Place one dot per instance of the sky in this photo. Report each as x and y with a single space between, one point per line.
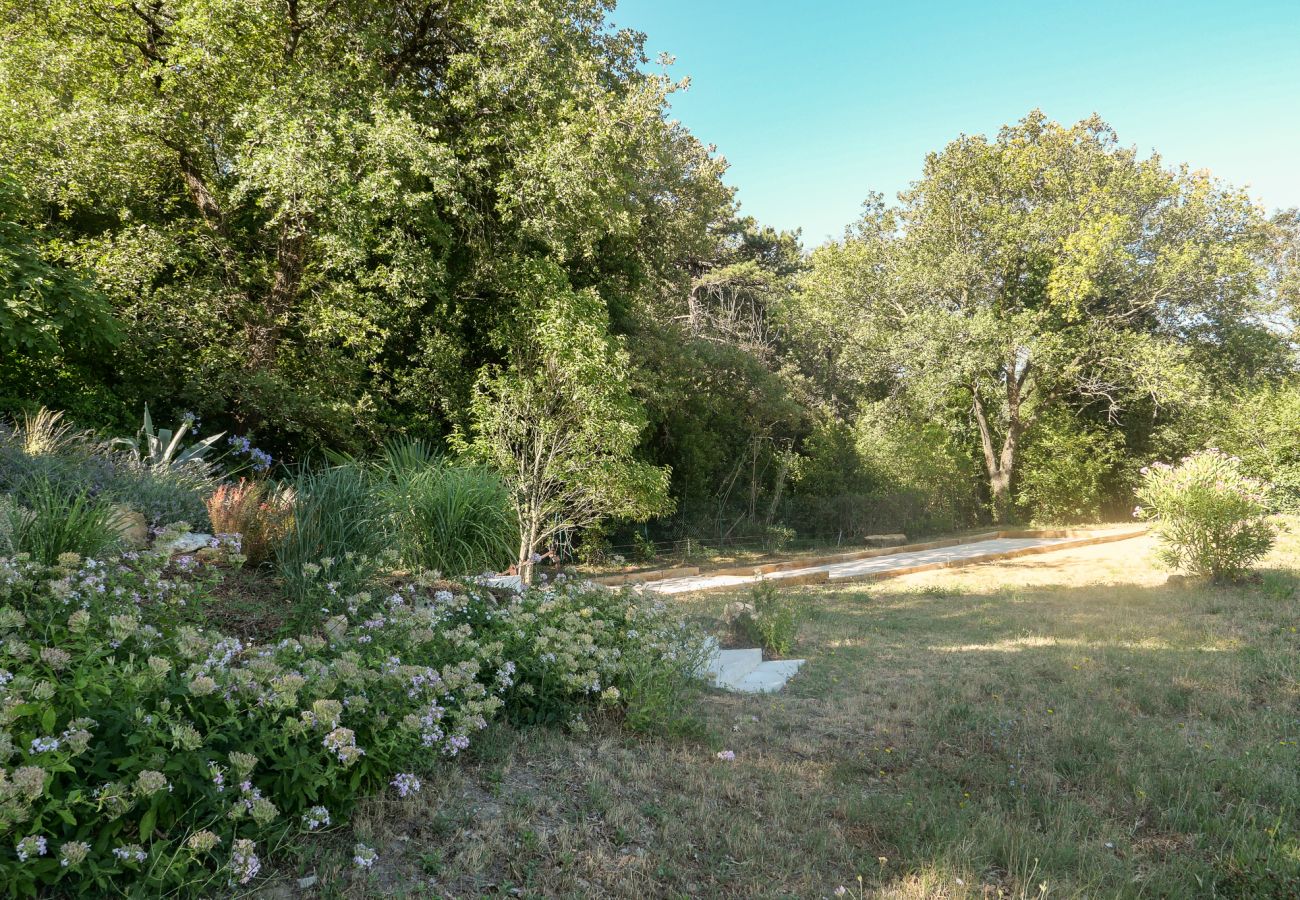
814 103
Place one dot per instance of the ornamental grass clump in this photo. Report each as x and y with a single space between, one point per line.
1212 520
260 512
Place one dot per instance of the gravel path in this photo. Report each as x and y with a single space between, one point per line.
876 565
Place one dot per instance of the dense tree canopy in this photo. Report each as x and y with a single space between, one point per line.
302 210
1047 266
327 222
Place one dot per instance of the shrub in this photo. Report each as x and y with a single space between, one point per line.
453 519
52 523
259 512
643 548
156 754
1066 471
1211 519
8 517
166 496
45 449
148 757
576 643
774 622
1261 428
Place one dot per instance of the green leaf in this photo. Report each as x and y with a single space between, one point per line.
147 822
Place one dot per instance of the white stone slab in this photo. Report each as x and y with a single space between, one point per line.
768 677
729 667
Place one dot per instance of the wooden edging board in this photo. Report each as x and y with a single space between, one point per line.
1085 538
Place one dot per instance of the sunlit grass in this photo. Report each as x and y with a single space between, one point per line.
1065 726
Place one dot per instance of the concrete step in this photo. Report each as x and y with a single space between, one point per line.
728 667
768 677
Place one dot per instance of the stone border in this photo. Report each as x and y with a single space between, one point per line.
1086 538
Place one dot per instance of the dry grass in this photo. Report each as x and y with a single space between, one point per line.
1064 725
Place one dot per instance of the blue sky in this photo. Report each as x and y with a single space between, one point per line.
815 103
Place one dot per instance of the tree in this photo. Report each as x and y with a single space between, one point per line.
559 423
1047 266
302 208
708 365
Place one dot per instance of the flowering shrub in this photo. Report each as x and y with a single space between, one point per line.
258 512
1211 518
572 644
141 753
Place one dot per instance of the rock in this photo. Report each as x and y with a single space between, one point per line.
308 882
885 540
183 543
508 582
132 527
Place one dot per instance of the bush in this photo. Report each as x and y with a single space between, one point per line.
45 449
52 523
1066 471
1211 519
576 643
1261 428
774 622
149 757
259 512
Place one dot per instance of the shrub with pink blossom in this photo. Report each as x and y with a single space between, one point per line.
1211 518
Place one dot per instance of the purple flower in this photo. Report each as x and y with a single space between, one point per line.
406 784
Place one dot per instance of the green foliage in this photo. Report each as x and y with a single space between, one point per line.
9 510
1211 519
891 470
775 621
1261 427
164 448
560 424
339 524
305 214
1068 470
45 449
47 309
1049 267
159 758
51 523
452 519
643 548
575 644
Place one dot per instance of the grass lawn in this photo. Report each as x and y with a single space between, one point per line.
1062 725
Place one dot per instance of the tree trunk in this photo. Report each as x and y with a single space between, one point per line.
1000 463
525 566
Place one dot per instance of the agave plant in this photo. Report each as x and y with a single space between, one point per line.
162 449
